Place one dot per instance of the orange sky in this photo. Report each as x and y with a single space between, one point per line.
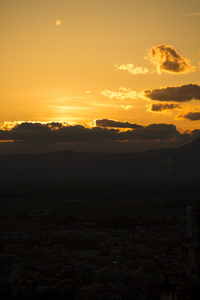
77 61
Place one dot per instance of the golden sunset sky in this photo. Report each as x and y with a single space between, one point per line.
135 61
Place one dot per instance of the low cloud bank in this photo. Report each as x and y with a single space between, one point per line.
106 136
57 132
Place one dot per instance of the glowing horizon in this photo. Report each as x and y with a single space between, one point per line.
130 61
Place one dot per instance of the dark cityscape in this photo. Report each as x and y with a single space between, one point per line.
98 239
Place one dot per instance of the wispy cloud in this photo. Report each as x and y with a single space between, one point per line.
126 107
122 94
132 69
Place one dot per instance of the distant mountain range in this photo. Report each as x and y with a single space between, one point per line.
181 165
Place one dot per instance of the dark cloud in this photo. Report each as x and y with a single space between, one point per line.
192 116
38 132
175 93
28 131
155 132
37 126
167 59
116 124
160 107
28 126
40 137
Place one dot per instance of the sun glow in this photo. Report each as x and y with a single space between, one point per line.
75 61
58 22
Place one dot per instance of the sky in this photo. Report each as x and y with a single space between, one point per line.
109 75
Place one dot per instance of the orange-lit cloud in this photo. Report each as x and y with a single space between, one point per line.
166 59
122 94
132 69
182 93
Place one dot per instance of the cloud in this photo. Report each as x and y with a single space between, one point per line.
29 126
176 93
30 137
132 69
160 107
192 116
154 132
58 22
113 123
55 132
59 132
168 60
122 94
126 107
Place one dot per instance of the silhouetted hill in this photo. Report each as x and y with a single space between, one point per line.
186 160
167 165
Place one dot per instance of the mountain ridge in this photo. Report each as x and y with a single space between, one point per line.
69 166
